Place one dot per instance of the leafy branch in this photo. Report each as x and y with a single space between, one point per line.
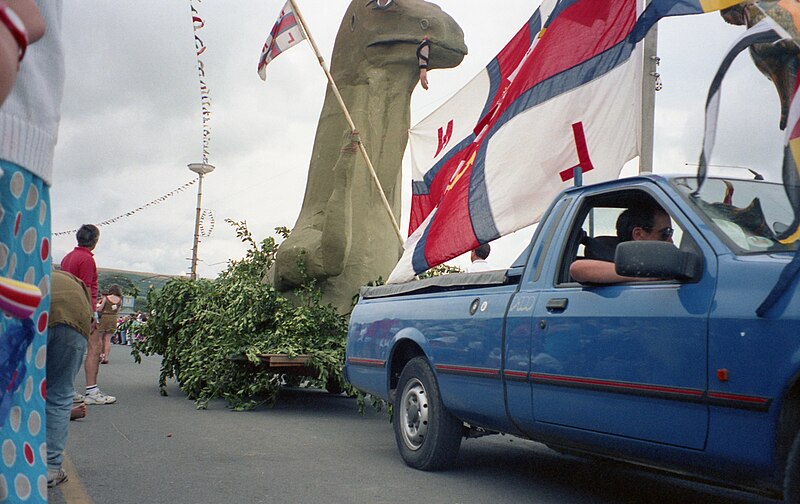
210 333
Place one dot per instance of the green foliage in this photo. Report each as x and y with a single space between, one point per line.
442 269
210 333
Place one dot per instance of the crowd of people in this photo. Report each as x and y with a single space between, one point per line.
127 331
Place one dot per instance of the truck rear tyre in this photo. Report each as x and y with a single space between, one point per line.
428 436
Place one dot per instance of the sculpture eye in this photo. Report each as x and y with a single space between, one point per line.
381 4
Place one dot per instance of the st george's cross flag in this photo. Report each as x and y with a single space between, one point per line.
285 34
565 92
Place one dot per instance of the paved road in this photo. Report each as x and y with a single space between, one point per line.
315 448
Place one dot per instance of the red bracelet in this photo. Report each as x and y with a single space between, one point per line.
15 25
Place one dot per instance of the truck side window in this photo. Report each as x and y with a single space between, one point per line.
547 236
594 233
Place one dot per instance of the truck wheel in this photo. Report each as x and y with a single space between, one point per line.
791 480
427 435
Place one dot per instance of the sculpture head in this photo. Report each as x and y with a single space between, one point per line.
381 33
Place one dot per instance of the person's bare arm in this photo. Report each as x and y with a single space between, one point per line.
598 272
30 16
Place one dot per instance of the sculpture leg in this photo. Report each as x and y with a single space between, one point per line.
319 249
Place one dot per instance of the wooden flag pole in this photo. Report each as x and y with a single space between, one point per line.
347 116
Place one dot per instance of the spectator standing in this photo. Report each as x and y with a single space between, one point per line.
108 308
29 119
123 328
478 257
69 328
80 262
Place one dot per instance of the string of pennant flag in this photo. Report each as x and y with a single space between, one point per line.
207 223
205 102
205 97
139 209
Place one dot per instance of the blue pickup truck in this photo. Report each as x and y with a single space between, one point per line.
677 373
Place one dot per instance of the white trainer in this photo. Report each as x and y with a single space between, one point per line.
99 398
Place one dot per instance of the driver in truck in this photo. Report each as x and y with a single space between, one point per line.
646 221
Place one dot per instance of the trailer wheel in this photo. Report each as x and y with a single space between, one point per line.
333 386
428 436
791 480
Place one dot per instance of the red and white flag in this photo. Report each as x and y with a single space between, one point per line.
563 93
285 34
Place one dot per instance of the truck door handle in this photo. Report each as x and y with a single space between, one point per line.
557 304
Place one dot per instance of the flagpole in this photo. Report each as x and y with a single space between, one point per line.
649 78
347 116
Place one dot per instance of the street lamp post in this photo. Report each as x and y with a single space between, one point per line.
200 169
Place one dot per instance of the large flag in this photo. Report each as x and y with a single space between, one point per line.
562 94
437 140
285 34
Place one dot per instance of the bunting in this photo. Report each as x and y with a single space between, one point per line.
136 210
205 98
207 223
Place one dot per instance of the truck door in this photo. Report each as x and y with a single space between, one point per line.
627 359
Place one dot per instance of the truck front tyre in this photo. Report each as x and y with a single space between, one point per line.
428 436
791 480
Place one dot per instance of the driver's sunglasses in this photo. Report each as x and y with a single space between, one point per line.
666 233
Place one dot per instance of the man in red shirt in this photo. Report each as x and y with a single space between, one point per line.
80 262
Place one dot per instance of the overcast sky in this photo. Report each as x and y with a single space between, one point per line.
131 118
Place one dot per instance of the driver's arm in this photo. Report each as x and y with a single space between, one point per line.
598 272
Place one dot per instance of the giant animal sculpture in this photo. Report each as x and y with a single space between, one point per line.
779 62
344 237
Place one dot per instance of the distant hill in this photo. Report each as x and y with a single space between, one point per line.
141 280
132 282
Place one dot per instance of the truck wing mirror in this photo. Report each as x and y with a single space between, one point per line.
655 259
